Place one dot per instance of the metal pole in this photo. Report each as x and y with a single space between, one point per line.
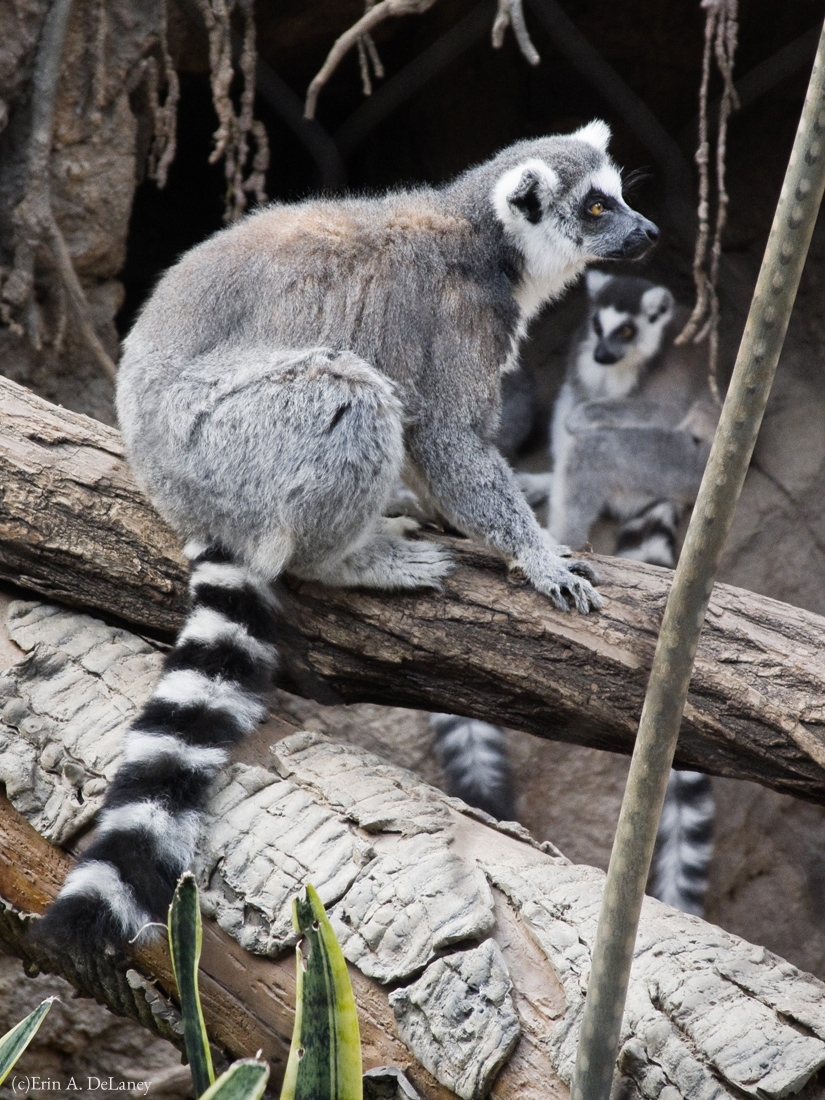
684 614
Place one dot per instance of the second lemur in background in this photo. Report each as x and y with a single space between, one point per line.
631 432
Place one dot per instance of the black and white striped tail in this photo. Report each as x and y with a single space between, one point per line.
208 697
476 764
684 843
650 535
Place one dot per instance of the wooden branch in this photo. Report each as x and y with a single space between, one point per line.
73 526
469 944
248 1001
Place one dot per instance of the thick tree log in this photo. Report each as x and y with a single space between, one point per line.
74 526
469 945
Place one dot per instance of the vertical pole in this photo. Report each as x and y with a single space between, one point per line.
693 580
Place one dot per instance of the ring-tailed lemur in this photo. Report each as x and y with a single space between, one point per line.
632 423
630 437
275 385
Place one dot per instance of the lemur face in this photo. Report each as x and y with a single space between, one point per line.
563 206
627 318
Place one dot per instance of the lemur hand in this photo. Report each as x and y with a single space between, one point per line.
561 581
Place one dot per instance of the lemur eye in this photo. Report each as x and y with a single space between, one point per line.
596 208
627 332
597 327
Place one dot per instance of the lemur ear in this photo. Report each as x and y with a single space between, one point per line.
595 280
595 133
656 302
526 196
526 191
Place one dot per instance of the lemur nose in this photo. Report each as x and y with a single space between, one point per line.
651 231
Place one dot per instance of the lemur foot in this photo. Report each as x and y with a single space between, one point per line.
561 581
392 560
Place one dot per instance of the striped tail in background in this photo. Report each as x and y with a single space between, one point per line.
684 844
209 696
474 757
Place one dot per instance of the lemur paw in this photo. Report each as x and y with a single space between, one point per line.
583 569
420 564
562 582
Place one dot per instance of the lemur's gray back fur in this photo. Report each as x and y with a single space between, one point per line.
281 377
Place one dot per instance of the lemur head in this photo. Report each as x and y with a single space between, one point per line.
559 201
627 318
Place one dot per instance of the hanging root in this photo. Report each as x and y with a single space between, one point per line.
511 13
368 57
235 128
164 115
35 226
721 32
359 35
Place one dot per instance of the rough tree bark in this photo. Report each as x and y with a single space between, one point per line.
469 944
74 526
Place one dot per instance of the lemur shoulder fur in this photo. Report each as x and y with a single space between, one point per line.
277 383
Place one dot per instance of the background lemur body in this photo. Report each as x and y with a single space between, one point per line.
281 377
630 437
615 450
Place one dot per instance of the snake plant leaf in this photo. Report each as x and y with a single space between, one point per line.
325 1057
244 1080
14 1042
185 935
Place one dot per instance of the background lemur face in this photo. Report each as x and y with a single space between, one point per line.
564 202
627 318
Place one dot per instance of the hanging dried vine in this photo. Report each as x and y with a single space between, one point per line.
509 13
164 115
235 127
721 34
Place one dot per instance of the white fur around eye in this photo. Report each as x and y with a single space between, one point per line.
611 318
608 181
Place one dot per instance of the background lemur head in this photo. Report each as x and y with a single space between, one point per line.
559 202
627 319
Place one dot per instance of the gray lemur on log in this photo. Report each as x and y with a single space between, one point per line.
631 433
278 382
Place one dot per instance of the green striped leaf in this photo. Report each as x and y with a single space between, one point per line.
325 1057
185 935
244 1080
14 1042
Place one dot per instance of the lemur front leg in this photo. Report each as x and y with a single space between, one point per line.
476 491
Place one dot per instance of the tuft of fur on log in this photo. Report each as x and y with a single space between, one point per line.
74 526
483 936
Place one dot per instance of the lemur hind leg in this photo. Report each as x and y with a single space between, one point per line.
289 465
389 559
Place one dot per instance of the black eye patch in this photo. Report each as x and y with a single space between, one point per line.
597 327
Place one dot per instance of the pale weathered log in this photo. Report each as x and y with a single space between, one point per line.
74 526
469 944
